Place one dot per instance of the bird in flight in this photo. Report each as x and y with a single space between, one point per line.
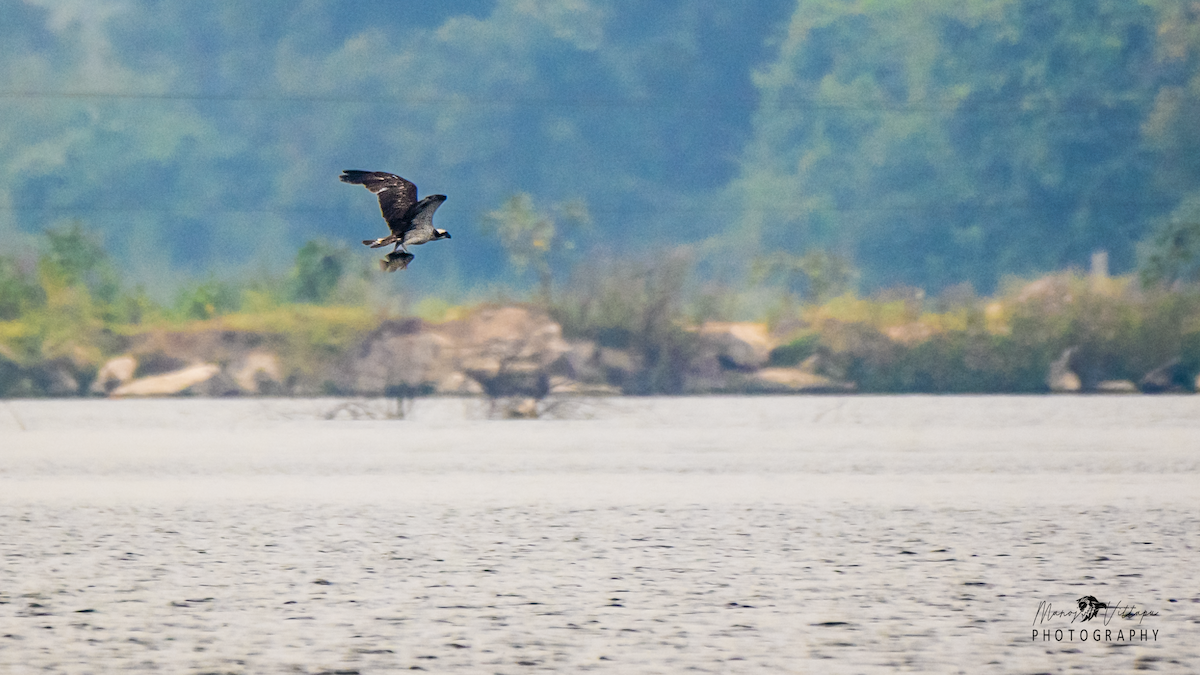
410 221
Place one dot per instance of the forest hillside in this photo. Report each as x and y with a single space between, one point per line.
927 144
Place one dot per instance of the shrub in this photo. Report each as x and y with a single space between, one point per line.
318 271
634 304
795 351
19 291
207 299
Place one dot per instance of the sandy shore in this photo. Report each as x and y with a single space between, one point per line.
649 536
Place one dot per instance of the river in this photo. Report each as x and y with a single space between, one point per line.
660 535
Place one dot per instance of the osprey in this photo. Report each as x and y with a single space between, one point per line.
410 221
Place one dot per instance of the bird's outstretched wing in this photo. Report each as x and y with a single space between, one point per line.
421 215
396 195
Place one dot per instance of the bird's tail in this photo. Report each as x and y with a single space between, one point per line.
384 241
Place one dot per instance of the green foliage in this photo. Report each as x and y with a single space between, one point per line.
933 142
134 307
308 337
75 265
1172 256
795 351
536 239
19 293
638 305
945 142
1172 129
60 317
1114 335
77 258
1189 350
817 275
207 299
63 308
318 271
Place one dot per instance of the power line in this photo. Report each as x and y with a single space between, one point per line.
786 208
926 107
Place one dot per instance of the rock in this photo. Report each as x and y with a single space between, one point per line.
708 383
1171 376
399 355
515 408
221 384
909 333
10 376
566 385
766 381
168 384
258 372
486 367
176 350
797 380
114 373
1117 387
507 334
159 362
501 348
582 361
1061 378
620 367
524 408
522 379
619 360
737 346
813 364
457 384
54 378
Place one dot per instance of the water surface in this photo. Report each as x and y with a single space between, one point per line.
793 535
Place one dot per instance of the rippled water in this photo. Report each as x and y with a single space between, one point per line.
726 535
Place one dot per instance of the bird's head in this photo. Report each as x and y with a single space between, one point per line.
441 234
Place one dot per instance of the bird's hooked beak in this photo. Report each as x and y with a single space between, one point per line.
442 234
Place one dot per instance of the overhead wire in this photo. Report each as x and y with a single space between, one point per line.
961 106
650 208
928 107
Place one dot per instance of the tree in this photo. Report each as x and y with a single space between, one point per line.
19 291
76 258
954 141
817 275
1172 129
536 239
318 270
208 299
1171 257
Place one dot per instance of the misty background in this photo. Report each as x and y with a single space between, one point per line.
929 143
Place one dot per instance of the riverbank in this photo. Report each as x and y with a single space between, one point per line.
1062 333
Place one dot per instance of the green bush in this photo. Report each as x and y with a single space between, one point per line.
318 271
638 305
795 351
19 290
207 299
1115 332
